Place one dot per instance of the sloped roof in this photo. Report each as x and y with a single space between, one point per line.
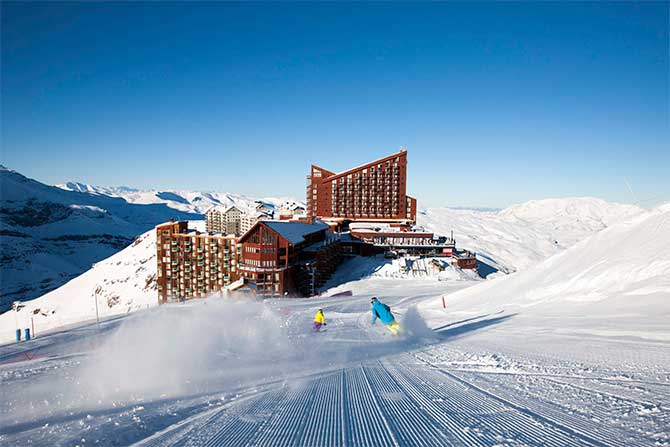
294 232
402 153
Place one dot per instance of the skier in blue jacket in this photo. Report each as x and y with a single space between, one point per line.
383 312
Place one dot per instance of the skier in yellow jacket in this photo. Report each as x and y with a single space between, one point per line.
319 320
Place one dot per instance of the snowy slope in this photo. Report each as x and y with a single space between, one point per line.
522 235
188 201
237 372
498 233
124 282
615 282
50 235
570 352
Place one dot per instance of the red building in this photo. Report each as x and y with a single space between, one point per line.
191 264
282 257
375 191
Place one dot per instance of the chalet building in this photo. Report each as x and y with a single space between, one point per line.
231 220
375 191
281 257
193 264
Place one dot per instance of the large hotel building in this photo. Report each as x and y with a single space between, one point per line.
296 257
374 192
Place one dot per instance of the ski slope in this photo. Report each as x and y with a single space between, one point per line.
214 373
572 351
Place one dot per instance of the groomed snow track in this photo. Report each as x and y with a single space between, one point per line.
471 383
405 401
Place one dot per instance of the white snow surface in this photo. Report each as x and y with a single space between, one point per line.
522 235
573 351
617 281
122 283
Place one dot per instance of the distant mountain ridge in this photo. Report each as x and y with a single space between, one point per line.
197 202
521 235
53 234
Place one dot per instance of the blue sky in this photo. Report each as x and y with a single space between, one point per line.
497 103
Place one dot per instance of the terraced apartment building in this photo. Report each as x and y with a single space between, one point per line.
192 264
373 192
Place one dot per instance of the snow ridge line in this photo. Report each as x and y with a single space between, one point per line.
520 408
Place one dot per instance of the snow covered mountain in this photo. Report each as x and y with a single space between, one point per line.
523 235
606 284
196 202
509 239
50 235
